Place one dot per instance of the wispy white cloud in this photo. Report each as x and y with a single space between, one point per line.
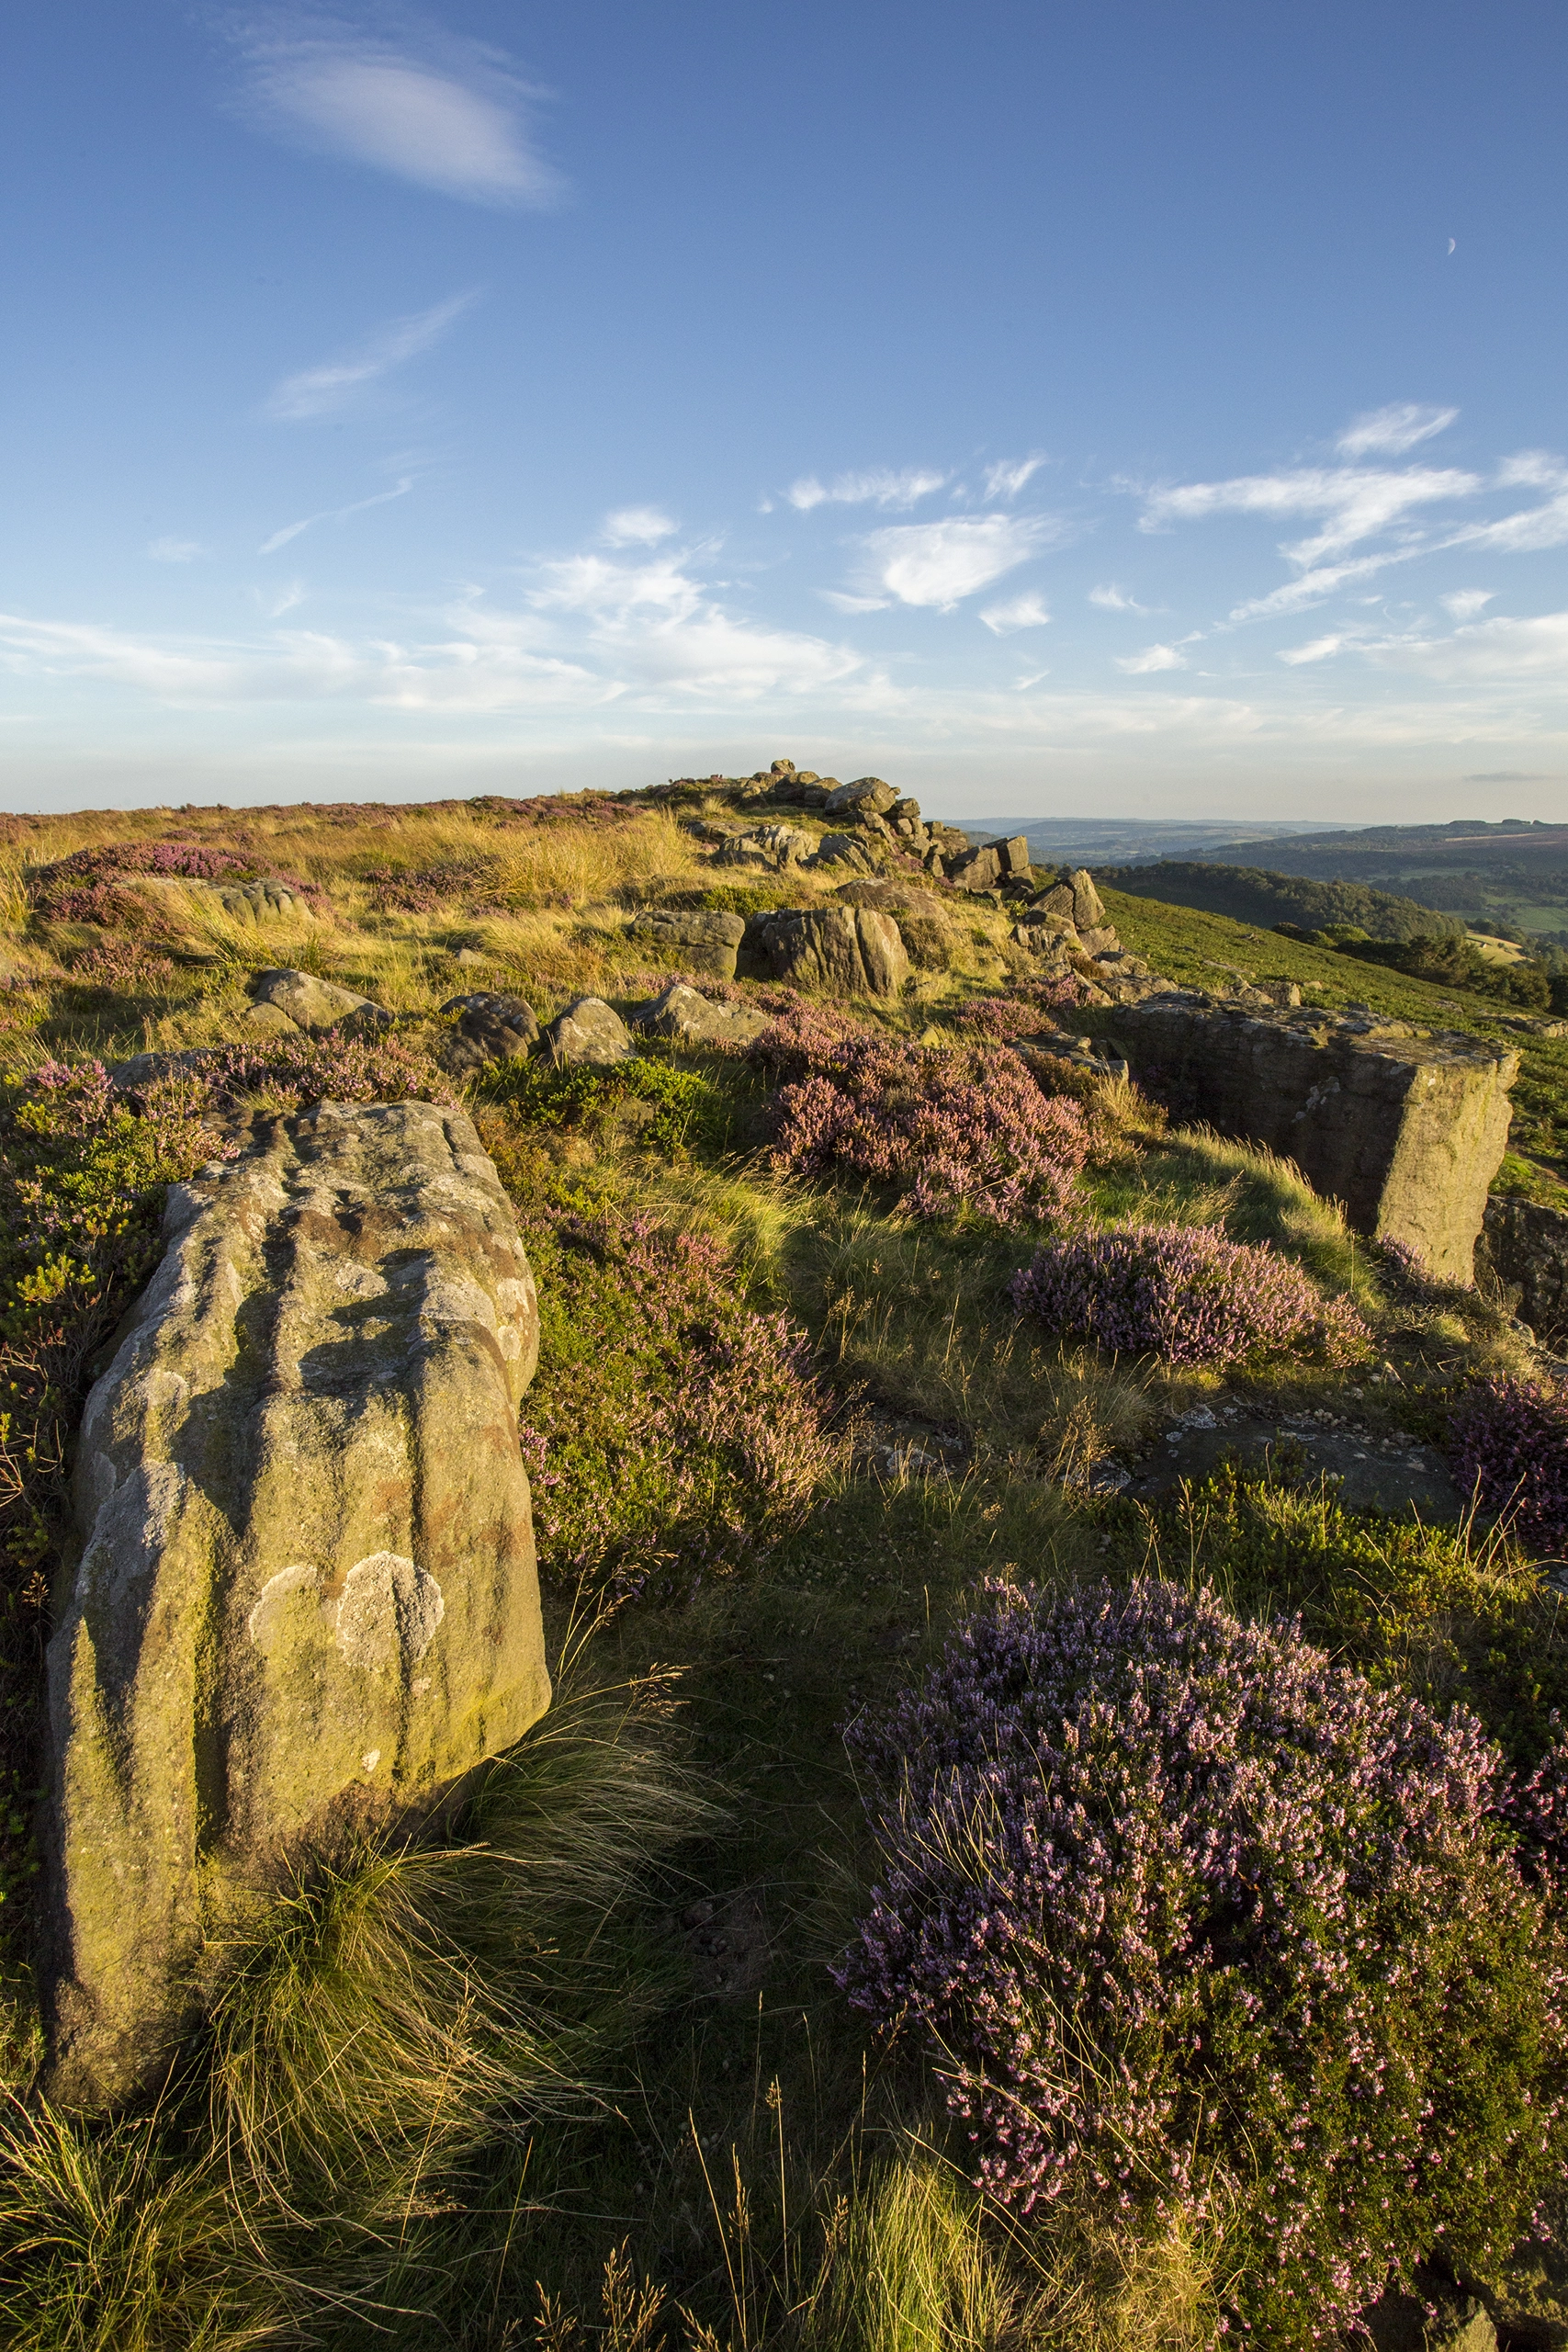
281 600
1465 603
1389 432
637 526
879 486
1357 503
1528 532
1024 612
1320 650
452 120
1112 599
172 550
1006 479
1152 657
334 514
316 391
940 563
1503 648
843 601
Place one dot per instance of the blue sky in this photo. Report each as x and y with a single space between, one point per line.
1115 411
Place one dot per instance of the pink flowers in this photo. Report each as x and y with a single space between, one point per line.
1186 1293
952 1126
1179 1907
1509 1446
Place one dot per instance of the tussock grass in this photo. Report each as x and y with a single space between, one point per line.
564 863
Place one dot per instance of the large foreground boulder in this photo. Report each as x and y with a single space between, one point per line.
1526 1245
316 1005
840 951
1404 1128
928 936
689 1018
302 1593
489 1029
590 1031
706 937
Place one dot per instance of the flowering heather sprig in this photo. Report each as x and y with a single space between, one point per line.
1508 1444
952 1126
1186 1293
671 1426
421 889
1536 1810
124 967
1187 1915
1026 1012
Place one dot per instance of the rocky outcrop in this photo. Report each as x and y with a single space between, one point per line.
256 904
776 845
301 1595
839 951
489 1029
1525 1246
691 1018
867 796
589 1031
987 868
314 1005
706 937
1404 1128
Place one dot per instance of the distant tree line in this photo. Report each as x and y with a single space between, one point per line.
1249 894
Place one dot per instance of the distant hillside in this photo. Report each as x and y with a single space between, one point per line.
1511 876
1130 841
1249 894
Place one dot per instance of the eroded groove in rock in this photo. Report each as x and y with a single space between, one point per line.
303 1594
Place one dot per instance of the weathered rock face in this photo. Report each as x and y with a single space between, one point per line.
254 904
589 1031
924 929
1527 1248
691 1019
303 1589
706 938
992 863
1406 1131
842 951
489 1029
774 845
315 1005
867 796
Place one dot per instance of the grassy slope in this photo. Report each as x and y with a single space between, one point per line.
1201 950
756 2083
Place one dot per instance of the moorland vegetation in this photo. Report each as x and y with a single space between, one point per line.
970 1890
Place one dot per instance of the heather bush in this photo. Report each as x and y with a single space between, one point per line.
1190 1919
1508 1442
672 1429
122 968
82 888
951 1126
1440 1611
1185 1293
1024 1013
673 1100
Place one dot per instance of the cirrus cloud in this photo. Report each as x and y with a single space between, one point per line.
1389 432
453 124
879 486
940 563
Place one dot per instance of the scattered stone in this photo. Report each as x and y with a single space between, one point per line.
1098 938
1406 1132
1089 915
706 937
300 1597
774 845
693 1019
489 1029
842 951
1375 1470
589 1031
315 1005
139 1070
468 957
1525 1247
